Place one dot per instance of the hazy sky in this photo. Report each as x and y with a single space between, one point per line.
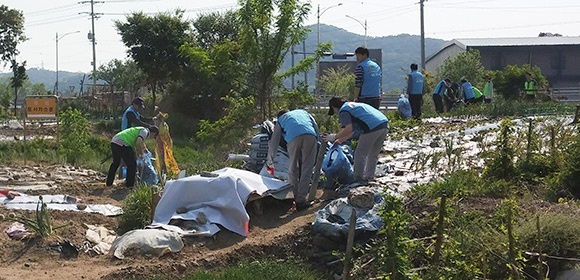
444 19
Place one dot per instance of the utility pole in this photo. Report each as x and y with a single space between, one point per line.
92 38
422 35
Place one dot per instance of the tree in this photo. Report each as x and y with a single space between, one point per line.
18 79
465 64
11 33
267 31
509 81
121 75
214 28
154 43
338 82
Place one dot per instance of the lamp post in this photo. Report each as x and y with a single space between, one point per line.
318 14
58 38
363 25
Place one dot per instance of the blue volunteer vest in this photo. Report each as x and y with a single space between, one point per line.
417 80
125 120
296 123
371 86
440 89
467 91
365 115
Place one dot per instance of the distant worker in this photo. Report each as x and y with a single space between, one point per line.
367 83
529 87
128 145
132 116
404 107
439 93
415 84
300 131
374 126
467 89
487 89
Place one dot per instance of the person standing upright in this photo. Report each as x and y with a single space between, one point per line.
529 87
439 93
415 84
132 116
367 83
487 89
300 131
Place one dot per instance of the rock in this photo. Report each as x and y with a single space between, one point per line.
399 173
434 144
181 210
201 218
363 197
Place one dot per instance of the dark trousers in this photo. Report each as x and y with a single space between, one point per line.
373 101
416 101
438 100
128 155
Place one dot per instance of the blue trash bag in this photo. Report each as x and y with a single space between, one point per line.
337 166
404 106
147 172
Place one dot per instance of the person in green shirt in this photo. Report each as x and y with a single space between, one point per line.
127 145
487 89
529 87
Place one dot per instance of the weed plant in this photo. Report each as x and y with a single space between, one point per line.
41 224
136 210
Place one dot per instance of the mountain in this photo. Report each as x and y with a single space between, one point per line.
398 53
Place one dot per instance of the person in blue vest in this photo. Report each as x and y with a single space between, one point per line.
300 131
374 126
132 116
127 145
415 84
467 89
367 82
439 93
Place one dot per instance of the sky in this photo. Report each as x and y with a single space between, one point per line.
444 19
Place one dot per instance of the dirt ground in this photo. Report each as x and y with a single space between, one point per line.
276 232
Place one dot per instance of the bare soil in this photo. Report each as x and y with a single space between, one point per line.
277 232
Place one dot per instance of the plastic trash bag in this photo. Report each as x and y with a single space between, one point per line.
147 173
404 106
337 166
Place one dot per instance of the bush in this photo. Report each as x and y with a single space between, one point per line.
559 236
136 210
73 135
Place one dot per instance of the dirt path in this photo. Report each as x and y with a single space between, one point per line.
32 259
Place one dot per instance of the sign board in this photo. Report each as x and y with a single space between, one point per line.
41 107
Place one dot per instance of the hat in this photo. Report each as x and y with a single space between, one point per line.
139 101
335 102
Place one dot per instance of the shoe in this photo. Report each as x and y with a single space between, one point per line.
303 206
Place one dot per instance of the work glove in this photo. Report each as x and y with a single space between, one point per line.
270 169
329 137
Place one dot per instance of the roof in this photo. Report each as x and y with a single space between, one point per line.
524 41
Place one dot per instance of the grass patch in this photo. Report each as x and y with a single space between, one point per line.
262 269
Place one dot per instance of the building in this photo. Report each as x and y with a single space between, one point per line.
558 57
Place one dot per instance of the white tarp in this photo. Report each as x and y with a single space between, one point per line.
58 202
222 199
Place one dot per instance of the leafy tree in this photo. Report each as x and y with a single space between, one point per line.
18 79
466 64
74 135
509 81
11 32
214 28
267 31
121 75
154 43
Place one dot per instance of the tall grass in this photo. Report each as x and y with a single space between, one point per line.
262 269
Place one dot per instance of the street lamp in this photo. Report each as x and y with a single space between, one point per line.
363 25
318 14
58 38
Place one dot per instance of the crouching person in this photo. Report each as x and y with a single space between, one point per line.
300 131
